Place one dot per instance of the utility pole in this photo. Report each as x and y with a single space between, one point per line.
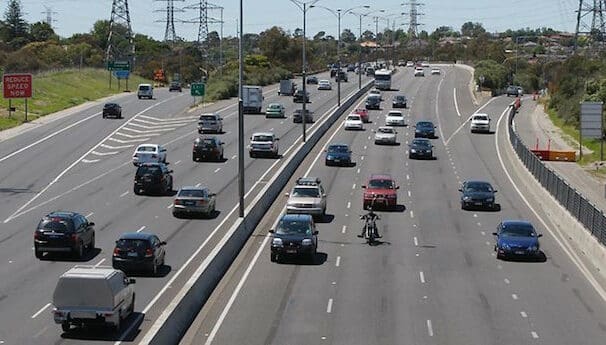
591 21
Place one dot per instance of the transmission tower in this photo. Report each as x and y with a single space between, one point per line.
591 22
169 34
48 12
120 45
203 20
414 14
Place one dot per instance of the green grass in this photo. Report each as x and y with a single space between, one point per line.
61 90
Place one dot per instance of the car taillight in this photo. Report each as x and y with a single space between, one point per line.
73 237
116 251
178 202
201 202
154 156
392 196
36 235
148 253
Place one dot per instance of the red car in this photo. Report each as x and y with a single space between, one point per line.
380 192
363 114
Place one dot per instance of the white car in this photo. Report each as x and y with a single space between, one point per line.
375 92
395 118
410 64
385 135
435 71
353 121
263 144
424 64
419 72
480 123
149 153
324 85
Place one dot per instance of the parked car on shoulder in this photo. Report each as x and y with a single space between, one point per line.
64 232
139 252
295 235
112 110
194 200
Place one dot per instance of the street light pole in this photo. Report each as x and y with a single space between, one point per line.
240 119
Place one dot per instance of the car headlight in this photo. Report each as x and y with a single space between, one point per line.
306 242
466 198
505 246
533 248
276 242
413 151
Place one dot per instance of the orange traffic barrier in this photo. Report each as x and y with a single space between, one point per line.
567 156
542 154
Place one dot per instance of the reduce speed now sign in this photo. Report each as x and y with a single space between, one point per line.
17 85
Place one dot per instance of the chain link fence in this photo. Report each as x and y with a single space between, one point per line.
580 207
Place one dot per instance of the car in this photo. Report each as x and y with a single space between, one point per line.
153 177
380 191
477 195
373 102
480 123
299 98
375 92
175 86
311 80
410 64
112 110
210 123
338 154
64 232
207 148
139 251
194 200
425 129
424 64
370 72
420 148
385 135
263 144
275 110
351 67
515 239
435 71
294 235
513 90
297 118
324 85
401 63
145 91
353 121
307 197
149 153
399 101
419 72
363 114
341 76
395 118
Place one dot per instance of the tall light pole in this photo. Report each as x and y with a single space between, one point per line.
240 118
361 15
338 13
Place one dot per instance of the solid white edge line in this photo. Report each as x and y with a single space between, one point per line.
416 241
40 311
456 104
141 228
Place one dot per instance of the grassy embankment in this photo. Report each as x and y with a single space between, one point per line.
61 90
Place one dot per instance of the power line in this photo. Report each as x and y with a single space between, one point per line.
120 45
413 24
170 34
591 22
48 12
203 20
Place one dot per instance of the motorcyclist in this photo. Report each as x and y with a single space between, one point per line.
370 217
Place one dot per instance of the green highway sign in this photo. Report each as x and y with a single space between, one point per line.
118 65
197 89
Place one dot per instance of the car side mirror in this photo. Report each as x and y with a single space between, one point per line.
131 281
363 186
494 233
271 231
170 171
460 190
91 223
277 139
540 235
494 191
397 187
324 195
316 232
212 194
163 243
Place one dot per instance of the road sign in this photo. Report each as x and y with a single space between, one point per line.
118 65
17 85
591 119
197 89
120 74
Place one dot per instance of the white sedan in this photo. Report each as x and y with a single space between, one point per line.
480 123
435 71
395 118
324 85
353 121
385 135
149 153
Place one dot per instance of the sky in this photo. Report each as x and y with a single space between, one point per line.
78 16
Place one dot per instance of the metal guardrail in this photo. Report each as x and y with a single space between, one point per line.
592 218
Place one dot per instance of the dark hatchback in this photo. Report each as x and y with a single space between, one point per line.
399 101
477 195
207 148
425 129
297 118
175 86
112 110
338 154
420 149
64 232
299 98
153 177
373 102
295 235
311 80
516 238
139 251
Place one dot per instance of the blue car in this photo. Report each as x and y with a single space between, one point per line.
338 154
425 129
517 239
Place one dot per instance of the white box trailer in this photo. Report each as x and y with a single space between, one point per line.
93 295
252 99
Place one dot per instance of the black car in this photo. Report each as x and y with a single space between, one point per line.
207 148
139 251
297 118
153 177
311 80
373 102
399 101
299 97
477 195
425 129
420 149
64 232
341 76
112 110
295 234
338 154
333 72
175 86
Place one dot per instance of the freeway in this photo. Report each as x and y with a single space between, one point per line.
434 278
83 163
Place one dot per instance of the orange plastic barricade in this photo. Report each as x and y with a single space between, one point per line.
542 154
566 156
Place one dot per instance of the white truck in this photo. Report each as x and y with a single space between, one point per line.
252 99
93 295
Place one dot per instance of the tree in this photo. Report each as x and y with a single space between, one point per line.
347 36
368 36
42 32
15 25
472 29
319 36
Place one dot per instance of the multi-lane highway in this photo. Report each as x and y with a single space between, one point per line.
434 278
83 163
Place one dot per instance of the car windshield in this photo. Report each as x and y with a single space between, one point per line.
291 227
421 143
400 98
274 106
144 87
385 130
478 187
338 148
130 244
206 143
424 125
192 193
381 184
148 170
207 118
262 138
305 192
353 118
518 230
146 149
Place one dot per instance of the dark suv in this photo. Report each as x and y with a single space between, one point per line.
153 177
175 86
139 251
341 76
207 148
299 98
295 234
112 110
67 232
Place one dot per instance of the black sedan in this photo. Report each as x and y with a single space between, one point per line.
399 101
207 148
420 149
311 80
139 251
425 129
477 194
300 97
295 234
373 102
112 110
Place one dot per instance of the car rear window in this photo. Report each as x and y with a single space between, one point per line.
380 184
144 87
146 149
196 193
206 143
129 244
207 118
480 117
56 225
337 148
305 192
148 170
395 114
262 138
354 117
385 130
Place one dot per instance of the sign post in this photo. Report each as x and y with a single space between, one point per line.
591 125
197 89
17 85
118 67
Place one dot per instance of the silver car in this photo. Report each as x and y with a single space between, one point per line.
210 123
307 197
385 135
263 143
194 200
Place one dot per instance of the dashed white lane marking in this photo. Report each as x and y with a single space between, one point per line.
514 296
100 262
329 306
475 215
338 262
422 277
483 233
349 204
409 194
178 162
141 228
198 184
534 335
358 171
361 157
90 214
506 281
344 229
407 177
90 160
169 206
123 194
217 170
412 215
523 313
354 186
487 243
429 328
365 147
416 241
233 157
369 137
40 311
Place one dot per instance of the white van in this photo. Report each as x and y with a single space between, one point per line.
145 90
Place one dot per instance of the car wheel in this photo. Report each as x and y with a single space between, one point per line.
104 116
136 191
154 268
274 257
38 253
91 245
176 214
131 308
80 250
65 326
193 158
